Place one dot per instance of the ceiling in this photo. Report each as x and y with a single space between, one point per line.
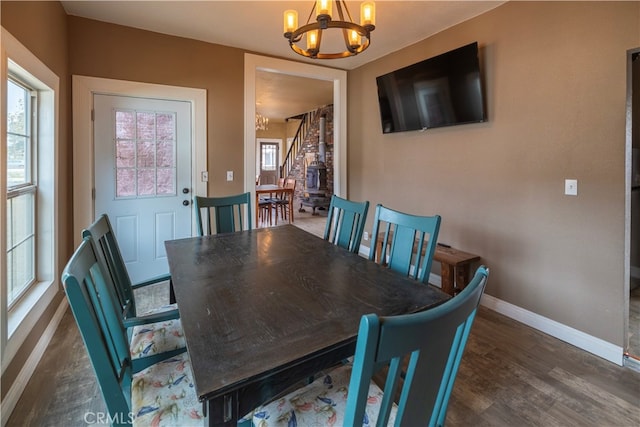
256 26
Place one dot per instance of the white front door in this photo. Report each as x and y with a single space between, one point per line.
142 158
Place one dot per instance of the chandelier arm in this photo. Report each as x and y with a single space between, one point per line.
314 52
346 10
311 13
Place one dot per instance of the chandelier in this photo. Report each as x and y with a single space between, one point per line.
262 123
356 37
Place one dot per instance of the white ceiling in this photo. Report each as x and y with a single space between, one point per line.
256 26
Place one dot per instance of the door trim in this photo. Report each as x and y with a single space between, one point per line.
627 196
252 63
82 100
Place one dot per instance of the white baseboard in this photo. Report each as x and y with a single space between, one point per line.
13 395
591 344
588 343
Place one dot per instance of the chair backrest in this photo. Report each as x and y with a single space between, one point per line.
404 241
95 310
105 241
227 213
288 183
345 223
433 339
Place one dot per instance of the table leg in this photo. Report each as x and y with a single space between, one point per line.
447 273
223 411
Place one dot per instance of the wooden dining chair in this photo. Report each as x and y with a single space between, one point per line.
345 223
160 394
225 213
264 212
417 355
405 243
281 201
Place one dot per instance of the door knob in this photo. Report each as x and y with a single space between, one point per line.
185 190
185 202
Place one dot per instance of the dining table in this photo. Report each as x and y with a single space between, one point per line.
277 191
264 309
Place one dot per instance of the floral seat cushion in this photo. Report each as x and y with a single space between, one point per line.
164 395
321 403
153 338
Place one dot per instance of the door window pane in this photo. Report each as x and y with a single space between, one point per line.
269 157
145 153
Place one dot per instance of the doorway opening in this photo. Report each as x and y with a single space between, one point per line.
255 63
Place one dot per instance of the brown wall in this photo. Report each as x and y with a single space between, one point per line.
42 28
555 83
112 51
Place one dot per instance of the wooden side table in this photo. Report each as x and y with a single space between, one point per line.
455 265
455 271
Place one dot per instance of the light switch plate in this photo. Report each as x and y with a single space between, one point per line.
229 175
571 187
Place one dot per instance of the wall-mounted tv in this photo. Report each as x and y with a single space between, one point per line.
441 91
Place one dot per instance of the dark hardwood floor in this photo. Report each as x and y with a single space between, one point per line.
511 375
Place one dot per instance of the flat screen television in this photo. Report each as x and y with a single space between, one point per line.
441 91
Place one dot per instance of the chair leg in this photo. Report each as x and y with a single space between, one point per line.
274 207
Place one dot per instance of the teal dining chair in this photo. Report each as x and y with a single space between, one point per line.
418 356
226 213
104 238
161 393
404 242
151 335
345 223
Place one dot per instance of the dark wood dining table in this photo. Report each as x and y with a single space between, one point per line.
264 309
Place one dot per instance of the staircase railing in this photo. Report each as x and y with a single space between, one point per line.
306 120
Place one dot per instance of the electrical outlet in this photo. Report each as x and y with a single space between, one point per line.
229 175
571 187
365 235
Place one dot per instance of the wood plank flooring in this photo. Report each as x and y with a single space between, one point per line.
511 375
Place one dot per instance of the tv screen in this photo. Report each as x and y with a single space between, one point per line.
441 91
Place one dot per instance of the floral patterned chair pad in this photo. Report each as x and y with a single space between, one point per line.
164 395
321 403
154 338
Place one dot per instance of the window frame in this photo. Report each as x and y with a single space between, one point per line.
17 321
